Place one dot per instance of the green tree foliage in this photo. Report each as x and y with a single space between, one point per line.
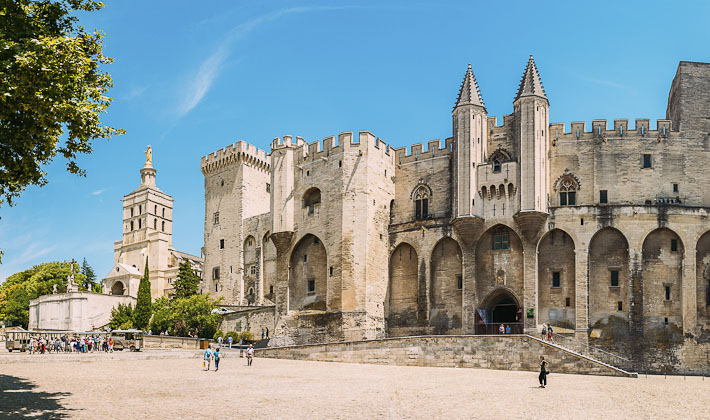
121 317
194 316
185 316
187 281
89 282
51 86
162 317
143 311
18 289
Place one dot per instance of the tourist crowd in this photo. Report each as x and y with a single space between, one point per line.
73 344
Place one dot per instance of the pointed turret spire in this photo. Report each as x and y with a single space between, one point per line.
530 84
469 93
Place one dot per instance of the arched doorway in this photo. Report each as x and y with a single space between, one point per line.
501 306
118 289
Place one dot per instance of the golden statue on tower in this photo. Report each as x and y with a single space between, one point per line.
149 156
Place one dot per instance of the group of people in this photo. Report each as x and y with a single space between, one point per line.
547 332
74 344
504 329
215 355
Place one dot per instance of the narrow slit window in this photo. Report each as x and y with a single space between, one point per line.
668 293
459 282
555 279
619 306
674 245
647 160
614 274
568 302
603 197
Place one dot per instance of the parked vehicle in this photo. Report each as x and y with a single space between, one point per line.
127 339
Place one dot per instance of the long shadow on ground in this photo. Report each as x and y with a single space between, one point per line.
19 400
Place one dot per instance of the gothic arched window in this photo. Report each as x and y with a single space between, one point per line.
421 203
568 191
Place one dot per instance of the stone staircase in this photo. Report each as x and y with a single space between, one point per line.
506 352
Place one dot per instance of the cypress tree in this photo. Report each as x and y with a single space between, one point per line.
89 275
143 310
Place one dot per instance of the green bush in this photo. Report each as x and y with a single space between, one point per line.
233 334
217 335
246 336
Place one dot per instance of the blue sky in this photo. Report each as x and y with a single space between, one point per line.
191 77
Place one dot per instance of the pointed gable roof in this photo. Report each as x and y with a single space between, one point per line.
469 94
530 84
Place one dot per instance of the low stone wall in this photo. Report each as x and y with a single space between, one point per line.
506 352
249 318
167 342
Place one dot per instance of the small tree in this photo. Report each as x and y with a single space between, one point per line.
121 317
187 281
142 313
89 281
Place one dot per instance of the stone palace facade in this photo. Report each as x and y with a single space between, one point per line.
602 233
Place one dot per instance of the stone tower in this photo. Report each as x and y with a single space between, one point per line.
147 233
237 187
531 113
470 143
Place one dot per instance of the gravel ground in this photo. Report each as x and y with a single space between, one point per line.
147 386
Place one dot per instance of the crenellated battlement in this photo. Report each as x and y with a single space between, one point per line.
601 130
309 152
239 152
417 152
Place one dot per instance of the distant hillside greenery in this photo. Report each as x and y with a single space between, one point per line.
20 288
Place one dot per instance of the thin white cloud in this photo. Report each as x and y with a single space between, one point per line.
98 192
135 92
209 69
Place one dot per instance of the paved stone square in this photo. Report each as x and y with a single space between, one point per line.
150 386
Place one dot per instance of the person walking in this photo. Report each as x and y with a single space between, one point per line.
549 333
229 340
267 333
544 332
250 354
543 372
262 333
216 356
208 357
219 341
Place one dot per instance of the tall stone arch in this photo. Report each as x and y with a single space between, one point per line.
609 279
403 290
499 261
661 283
251 267
556 279
446 286
702 263
308 275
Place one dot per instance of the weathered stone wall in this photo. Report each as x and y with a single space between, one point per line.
250 319
513 352
556 303
167 342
